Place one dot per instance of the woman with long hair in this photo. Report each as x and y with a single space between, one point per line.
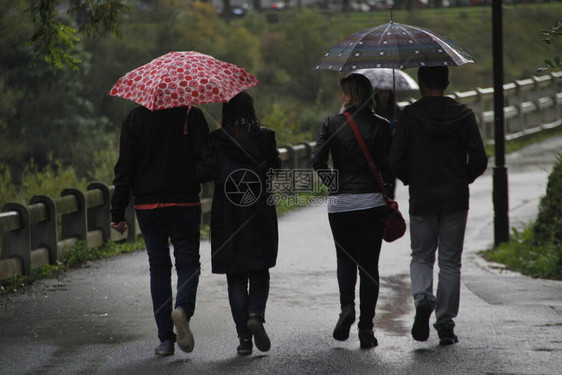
357 207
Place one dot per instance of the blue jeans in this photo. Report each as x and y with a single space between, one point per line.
181 226
358 239
428 233
244 301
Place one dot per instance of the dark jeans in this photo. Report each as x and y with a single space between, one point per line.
181 226
358 238
244 301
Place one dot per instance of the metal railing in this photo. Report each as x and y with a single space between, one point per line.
39 233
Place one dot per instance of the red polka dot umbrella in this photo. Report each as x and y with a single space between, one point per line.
179 79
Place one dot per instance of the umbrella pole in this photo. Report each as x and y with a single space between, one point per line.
394 97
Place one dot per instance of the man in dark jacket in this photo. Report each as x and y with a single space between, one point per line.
437 150
157 155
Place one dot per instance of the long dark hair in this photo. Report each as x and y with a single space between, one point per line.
239 111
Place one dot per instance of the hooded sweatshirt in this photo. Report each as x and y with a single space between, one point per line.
437 151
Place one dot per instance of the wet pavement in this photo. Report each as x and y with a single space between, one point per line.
98 319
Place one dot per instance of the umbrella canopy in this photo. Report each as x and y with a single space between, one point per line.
391 79
179 79
393 45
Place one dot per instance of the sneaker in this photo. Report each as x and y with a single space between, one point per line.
420 329
166 347
255 325
245 347
347 317
184 337
447 336
367 339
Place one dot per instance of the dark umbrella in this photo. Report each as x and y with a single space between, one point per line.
393 45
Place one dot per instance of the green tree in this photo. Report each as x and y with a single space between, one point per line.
55 36
549 37
42 113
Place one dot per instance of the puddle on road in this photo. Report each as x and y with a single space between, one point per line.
395 305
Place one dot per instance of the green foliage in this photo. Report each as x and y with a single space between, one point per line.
42 113
537 251
548 227
205 231
54 38
523 255
549 37
6 185
81 253
13 285
98 18
282 123
104 162
49 180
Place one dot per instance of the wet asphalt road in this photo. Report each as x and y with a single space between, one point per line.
98 319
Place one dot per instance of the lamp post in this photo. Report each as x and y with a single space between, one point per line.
500 190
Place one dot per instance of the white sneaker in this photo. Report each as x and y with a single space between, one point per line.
184 337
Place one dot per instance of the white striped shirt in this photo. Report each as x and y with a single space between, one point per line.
354 202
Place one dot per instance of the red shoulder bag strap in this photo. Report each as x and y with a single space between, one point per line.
367 155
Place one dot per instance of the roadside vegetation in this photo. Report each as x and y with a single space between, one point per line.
537 250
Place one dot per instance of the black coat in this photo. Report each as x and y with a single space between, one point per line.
157 159
336 138
438 151
244 234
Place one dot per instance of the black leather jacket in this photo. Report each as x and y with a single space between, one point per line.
336 139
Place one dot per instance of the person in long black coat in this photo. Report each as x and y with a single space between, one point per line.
244 233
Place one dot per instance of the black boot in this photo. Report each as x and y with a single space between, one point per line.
347 317
255 325
245 347
367 339
420 329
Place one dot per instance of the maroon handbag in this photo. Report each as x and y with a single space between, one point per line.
394 223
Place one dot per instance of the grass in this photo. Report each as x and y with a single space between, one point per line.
522 254
537 250
518 144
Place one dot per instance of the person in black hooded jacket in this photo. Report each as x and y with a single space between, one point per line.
437 151
244 233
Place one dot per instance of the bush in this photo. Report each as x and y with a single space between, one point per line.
537 251
548 227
